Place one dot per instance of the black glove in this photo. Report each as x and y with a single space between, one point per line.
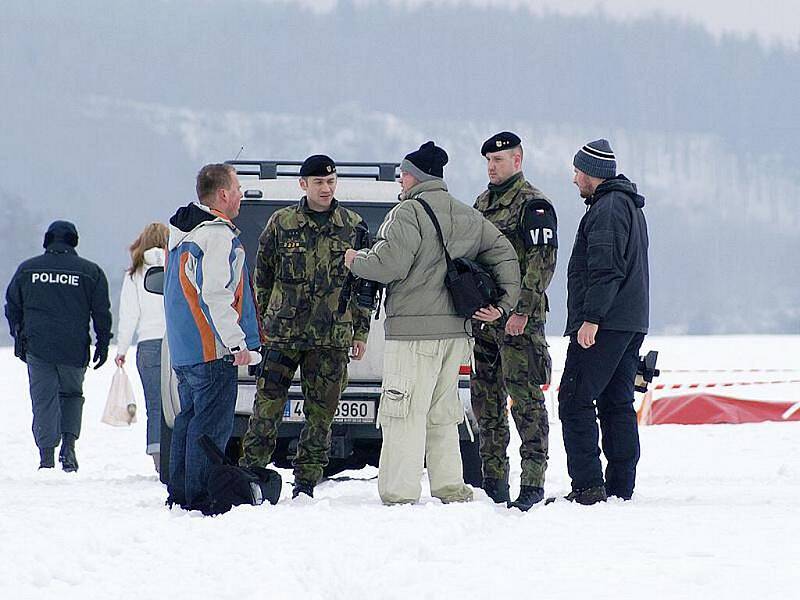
100 356
20 347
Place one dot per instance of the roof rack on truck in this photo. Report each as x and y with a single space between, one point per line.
272 169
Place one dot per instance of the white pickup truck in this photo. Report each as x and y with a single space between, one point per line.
371 190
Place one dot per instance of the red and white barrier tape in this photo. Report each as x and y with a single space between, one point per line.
730 370
694 386
719 370
715 384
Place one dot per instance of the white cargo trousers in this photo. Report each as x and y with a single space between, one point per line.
419 414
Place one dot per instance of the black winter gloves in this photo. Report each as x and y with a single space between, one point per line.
20 351
100 356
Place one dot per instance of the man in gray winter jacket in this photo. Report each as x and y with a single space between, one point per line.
426 341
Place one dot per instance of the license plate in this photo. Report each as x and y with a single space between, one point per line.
348 411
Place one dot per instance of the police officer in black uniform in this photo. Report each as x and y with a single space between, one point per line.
48 306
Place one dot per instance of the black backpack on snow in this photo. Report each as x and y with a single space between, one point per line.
230 485
470 285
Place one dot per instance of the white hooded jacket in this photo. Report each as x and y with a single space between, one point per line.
139 309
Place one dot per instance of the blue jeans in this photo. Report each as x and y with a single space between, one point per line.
208 401
148 363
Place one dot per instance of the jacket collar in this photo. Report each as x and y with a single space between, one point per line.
190 217
504 193
434 185
220 217
60 248
502 188
496 198
620 183
303 211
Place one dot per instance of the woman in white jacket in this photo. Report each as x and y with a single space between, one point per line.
143 311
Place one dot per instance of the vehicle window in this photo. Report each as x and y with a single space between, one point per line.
254 214
372 213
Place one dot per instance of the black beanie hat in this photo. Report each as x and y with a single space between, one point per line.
61 231
429 159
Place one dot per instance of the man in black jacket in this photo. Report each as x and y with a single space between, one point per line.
48 306
607 319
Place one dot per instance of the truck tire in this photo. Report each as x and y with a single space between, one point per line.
284 453
365 452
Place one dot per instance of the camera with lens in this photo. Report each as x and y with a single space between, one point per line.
368 293
646 371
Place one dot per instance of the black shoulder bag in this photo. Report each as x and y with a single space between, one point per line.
230 485
470 285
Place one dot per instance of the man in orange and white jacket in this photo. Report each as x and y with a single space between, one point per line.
211 325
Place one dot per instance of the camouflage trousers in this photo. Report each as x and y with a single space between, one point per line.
323 375
515 367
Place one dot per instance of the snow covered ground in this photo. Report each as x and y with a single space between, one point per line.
715 515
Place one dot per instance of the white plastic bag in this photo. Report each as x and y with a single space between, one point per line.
120 408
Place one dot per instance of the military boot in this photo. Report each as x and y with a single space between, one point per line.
302 487
47 458
496 489
528 496
67 458
588 496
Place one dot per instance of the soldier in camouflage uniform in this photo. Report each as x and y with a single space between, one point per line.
511 356
298 283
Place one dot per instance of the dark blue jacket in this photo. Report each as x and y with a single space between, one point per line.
52 297
608 278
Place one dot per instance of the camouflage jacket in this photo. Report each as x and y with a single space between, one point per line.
537 263
299 276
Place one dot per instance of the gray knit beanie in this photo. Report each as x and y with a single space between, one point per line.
596 159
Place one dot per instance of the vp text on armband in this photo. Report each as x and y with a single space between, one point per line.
545 233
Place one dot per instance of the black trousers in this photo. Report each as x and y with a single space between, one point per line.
57 398
598 384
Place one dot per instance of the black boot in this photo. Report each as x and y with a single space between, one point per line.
617 494
496 489
47 458
528 496
588 496
67 458
302 487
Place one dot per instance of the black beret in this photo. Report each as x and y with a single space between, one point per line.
317 165
505 140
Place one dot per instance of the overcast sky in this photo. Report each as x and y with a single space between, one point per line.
704 128
773 21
